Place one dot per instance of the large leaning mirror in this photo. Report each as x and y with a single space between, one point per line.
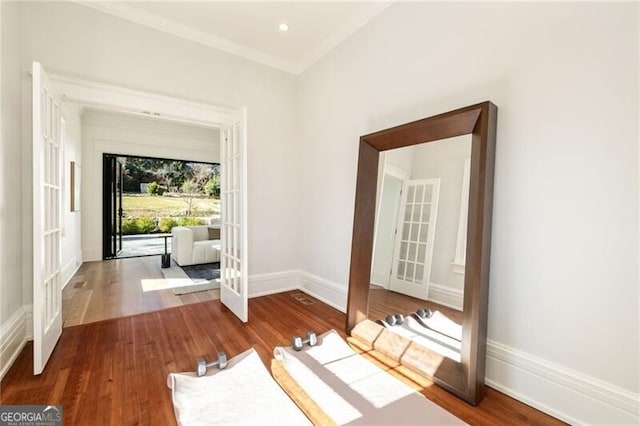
422 234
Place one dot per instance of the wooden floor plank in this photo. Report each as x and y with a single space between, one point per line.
113 288
384 302
114 371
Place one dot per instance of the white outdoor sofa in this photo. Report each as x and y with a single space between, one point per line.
191 245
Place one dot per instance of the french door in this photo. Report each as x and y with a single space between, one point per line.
416 234
112 213
47 214
233 200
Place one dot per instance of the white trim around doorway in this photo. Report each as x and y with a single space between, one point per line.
120 99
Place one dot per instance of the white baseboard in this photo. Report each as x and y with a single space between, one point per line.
13 336
28 311
324 290
277 282
570 396
446 296
70 269
332 294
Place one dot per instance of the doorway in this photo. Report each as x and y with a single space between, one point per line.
53 91
136 188
386 230
112 169
144 198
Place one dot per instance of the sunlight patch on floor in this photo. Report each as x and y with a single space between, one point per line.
158 284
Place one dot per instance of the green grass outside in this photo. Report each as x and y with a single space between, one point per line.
159 206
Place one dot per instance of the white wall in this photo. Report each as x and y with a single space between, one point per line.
564 278
10 162
13 318
108 133
402 158
71 39
71 255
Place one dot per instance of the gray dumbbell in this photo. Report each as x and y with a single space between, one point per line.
395 319
424 313
202 364
311 340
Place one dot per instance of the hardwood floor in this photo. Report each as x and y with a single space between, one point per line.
384 302
114 288
114 371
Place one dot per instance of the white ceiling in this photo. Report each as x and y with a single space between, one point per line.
250 29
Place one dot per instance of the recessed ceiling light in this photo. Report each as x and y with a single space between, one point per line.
283 27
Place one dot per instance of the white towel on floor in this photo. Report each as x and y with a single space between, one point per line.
329 349
425 336
243 393
351 389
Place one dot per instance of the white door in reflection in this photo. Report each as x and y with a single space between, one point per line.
386 226
416 233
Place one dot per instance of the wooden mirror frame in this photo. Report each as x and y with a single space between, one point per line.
464 379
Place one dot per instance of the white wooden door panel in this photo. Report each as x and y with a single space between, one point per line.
386 225
47 177
416 235
233 197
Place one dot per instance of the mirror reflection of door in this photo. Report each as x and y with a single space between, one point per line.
420 235
385 234
414 243
112 199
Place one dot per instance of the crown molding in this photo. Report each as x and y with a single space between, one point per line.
133 14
